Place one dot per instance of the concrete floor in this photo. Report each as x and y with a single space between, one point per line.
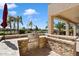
9 48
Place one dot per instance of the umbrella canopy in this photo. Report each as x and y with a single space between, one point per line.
5 13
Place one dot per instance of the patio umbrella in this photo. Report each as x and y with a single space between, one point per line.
4 23
5 13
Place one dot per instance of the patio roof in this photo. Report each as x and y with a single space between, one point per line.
68 11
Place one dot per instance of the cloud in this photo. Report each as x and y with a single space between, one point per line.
12 13
30 12
10 6
1 5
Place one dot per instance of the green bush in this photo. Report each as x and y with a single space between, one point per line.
2 33
22 31
29 31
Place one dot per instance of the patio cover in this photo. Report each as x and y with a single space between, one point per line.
69 11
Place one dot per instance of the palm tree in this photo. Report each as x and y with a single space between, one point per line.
15 20
36 28
14 24
18 20
46 25
60 26
9 23
12 19
30 24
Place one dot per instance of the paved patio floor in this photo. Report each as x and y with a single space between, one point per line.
9 48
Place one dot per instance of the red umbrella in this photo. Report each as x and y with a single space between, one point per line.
5 13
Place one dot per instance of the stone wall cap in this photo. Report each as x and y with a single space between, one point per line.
61 40
25 38
14 36
43 36
63 36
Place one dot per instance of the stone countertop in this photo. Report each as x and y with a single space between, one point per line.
24 38
63 37
43 36
14 36
18 36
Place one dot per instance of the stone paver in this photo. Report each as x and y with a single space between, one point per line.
9 48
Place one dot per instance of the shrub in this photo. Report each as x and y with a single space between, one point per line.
2 33
29 31
36 29
21 31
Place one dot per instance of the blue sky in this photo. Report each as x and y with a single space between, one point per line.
38 13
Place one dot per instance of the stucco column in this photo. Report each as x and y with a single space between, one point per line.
50 24
67 28
74 30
